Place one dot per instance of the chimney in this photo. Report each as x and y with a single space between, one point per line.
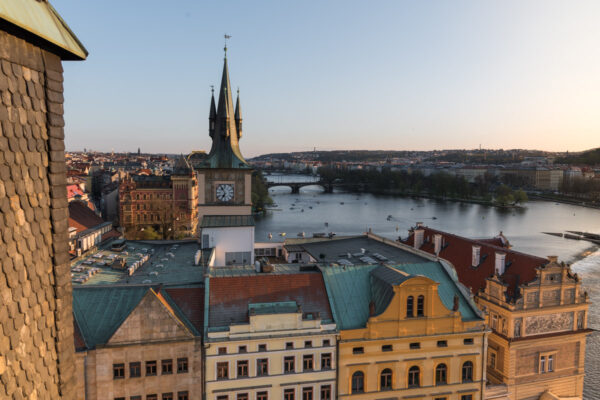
476 256
418 242
500 265
437 243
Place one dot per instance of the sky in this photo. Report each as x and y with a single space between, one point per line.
397 75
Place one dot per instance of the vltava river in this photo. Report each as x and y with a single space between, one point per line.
347 214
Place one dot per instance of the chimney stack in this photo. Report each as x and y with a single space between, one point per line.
500 265
437 243
476 256
418 242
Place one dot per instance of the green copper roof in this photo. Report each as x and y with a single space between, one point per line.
226 221
41 19
351 288
277 307
99 311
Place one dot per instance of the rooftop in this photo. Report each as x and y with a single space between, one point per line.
226 221
150 263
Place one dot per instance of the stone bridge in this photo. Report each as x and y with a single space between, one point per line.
295 186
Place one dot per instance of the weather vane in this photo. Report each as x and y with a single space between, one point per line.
226 37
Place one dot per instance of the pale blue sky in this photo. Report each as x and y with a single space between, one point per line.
412 75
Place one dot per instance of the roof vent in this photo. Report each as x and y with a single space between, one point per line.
476 256
500 264
437 243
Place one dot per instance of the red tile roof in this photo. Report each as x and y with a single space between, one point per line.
191 303
73 190
230 296
520 267
81 217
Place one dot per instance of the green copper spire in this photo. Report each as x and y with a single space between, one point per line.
238 115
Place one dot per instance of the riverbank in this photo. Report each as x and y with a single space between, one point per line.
564 200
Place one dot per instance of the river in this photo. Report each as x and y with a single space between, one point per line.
345 214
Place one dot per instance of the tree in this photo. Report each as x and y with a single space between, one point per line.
504 195
520 197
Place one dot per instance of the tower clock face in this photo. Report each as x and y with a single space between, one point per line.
225 192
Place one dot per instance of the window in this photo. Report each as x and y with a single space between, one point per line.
326 361
262 366
326 392
307 393
441 374
183 395
442 343
358 382
467 372
223 370
182 365
358 350
242 396
222 350
135 398
466 397
550 363
410 307
326 343
420 306
468 341
385 379
492 359
262 396
242 368
135 369
387 347
415 345
223 397
289 394
289 345
262 347
289 364
118 371
151 397
546 363
414 376
307 362
441 398
119 398
167 396
242 349
150 368
167 367
308 343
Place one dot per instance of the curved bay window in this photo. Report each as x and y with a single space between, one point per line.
414 377
467 372
358 382
420 306
441 374
410 301
385 379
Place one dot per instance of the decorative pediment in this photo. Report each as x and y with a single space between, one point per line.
152 320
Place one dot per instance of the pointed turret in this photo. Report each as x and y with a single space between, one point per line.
212 118
225 151
238 115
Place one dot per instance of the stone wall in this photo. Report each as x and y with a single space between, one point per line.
36 327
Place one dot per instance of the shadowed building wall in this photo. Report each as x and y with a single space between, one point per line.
36 326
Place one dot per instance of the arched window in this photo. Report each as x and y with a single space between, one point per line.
358 382
467 372
420 306
414 378
385 379
441 374
410 301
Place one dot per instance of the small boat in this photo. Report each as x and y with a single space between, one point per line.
302 210
341 202
301 234
270 236
389 217
326 223
434 218
282 234
310 207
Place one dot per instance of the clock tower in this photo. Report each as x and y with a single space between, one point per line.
226 225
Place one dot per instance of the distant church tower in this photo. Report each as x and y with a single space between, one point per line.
224 185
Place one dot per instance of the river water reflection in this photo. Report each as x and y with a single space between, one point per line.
346 214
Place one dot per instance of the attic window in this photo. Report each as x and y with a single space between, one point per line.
415 346
358 350
387 347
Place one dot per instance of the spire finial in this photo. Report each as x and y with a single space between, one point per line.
226 36
238 91
212 89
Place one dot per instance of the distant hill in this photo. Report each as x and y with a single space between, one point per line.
588 157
